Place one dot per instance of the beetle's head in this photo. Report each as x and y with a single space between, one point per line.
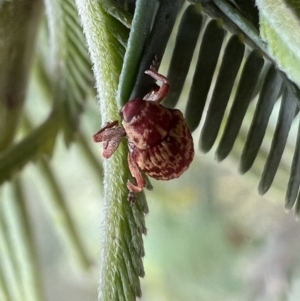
132 108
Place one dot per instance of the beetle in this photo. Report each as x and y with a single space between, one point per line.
159 140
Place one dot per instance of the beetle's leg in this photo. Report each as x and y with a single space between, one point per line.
98 136
136 173
155 63
159 94
112 144
111 137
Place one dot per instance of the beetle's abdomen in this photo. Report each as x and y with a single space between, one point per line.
169 158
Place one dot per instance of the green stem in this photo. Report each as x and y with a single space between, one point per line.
40 140
122 237
242 23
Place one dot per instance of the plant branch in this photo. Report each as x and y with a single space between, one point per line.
39 141
242 23
123 225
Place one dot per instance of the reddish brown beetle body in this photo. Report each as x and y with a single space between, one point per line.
149 125
159 140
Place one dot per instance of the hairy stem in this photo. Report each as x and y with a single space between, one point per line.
123 225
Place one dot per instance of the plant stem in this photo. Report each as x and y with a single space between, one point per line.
123 225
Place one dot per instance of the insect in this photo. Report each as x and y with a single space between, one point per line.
159 140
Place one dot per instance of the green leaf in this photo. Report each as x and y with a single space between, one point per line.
280 29
141 24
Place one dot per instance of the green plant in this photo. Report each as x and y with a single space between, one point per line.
120 46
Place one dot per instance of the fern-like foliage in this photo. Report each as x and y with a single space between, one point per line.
120 39
70 79
67 75
71 74
244 52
